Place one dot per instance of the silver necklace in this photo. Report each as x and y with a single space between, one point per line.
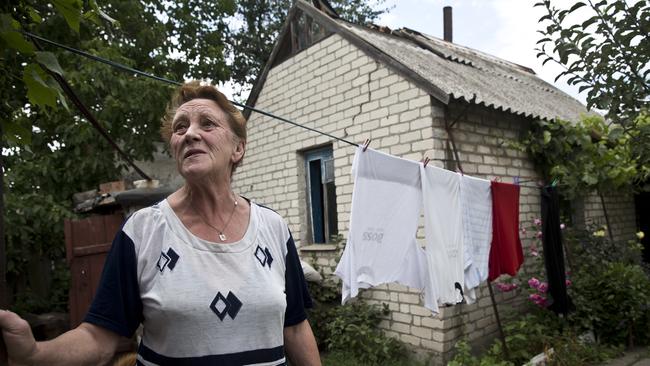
222 236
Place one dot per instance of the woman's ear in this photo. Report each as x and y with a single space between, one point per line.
240 149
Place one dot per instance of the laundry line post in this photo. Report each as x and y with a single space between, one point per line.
496 314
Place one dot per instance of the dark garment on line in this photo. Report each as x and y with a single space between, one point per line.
558 301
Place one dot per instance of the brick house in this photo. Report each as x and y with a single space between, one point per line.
414 95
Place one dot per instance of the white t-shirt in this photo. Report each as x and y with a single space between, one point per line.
381 246
202 303
476 201
443 224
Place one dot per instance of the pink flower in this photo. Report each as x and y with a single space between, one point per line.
562 226
538 235
543 287
537 222
568 283
533 282
534 253
523 230
506 287
538 299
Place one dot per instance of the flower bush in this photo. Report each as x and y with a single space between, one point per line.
609 287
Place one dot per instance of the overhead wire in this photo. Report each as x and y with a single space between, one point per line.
123 67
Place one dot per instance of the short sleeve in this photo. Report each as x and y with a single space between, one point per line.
296 288
117 305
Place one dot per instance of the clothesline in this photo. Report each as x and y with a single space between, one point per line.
125 68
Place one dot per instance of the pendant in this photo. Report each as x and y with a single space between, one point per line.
222 236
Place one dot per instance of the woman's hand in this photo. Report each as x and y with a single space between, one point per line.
18 337
87 344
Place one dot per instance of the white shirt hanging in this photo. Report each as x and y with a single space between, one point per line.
444 235
476 202
381 246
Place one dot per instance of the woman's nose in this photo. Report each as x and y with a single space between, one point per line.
192 132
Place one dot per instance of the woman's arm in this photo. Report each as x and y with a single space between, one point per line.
87 344
300 345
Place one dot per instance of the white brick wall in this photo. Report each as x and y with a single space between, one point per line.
620 209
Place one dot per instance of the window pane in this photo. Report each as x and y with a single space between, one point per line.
316 201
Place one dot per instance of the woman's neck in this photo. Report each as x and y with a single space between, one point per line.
205 200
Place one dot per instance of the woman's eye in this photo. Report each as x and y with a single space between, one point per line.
208 123
180 128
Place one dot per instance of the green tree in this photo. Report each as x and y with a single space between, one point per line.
604 48
258 24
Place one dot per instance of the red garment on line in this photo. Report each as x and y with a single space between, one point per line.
506 254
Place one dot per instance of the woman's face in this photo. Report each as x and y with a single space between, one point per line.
202 142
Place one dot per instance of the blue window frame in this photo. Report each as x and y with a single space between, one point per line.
321 194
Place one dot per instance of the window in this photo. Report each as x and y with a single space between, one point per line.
321 194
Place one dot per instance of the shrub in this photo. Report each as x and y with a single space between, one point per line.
351 330
614 303
353 327
611 289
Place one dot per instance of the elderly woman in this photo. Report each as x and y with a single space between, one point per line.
214 278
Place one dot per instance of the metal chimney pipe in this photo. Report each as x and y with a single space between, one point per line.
447 21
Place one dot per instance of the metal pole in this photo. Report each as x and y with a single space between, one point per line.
496 314
67 89
609 226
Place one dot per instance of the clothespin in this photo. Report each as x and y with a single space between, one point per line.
425 161
365 144
517 180
554 182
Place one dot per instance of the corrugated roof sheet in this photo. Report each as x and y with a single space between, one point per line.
467 74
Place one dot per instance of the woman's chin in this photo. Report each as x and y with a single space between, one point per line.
194 173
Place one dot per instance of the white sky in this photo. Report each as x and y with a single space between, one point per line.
503 28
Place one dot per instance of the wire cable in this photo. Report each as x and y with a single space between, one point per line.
123 67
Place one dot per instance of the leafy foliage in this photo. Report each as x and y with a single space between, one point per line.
605 53
590 154
619 286
610 276
464 357
354 327
533 334
351 330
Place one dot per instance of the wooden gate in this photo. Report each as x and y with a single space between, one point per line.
87 243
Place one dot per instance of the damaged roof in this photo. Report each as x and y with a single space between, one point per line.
449 71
